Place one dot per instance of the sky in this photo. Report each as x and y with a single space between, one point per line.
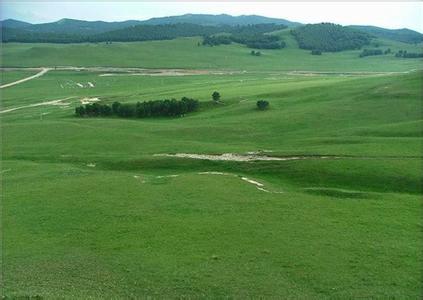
384 14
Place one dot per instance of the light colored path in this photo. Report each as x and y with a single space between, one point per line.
41 73
239 157
53 102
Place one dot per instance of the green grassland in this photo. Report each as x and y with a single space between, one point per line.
88 210
184 53
346 227
11 76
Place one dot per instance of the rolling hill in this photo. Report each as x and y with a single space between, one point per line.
401 35
81 27
71 26
11 23
222 19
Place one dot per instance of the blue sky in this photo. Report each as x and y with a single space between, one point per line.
384 14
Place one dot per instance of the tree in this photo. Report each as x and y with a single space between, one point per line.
262 104
80 111
216 96
115 107
253 52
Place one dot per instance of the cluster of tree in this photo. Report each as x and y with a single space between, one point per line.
329 37
216 40
370 52
253 36
129 34
405 54
262 104
255 53
146 109
260 41
25 36
316 52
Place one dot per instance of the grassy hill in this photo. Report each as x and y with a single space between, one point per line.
70 26
107 218
185 53
402 35
88 28
99 208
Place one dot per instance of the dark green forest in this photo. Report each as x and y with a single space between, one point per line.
133 33
329 37
146 109
253 36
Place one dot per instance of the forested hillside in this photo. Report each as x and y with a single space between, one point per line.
251 34
217 20
329 37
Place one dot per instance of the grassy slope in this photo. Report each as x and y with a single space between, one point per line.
11 76
342 228
184 53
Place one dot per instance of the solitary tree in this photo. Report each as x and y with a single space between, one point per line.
262 104
216 96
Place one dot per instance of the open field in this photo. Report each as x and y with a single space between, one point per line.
90 210
11 76
184 53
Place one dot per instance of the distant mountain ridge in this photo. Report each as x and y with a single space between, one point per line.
222 19
11 23
67 29
72 26
401 35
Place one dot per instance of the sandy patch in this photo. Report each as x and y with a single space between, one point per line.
229 157
90 84
54 102
252 181
91 165
258 185
80 85
212 173
89 100
167 176
250 156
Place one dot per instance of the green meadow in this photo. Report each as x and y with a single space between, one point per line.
89 210
184 53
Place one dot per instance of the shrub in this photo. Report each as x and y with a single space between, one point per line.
216 96
370 52
262 104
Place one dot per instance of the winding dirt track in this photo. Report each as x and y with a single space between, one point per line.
53 102
41 73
